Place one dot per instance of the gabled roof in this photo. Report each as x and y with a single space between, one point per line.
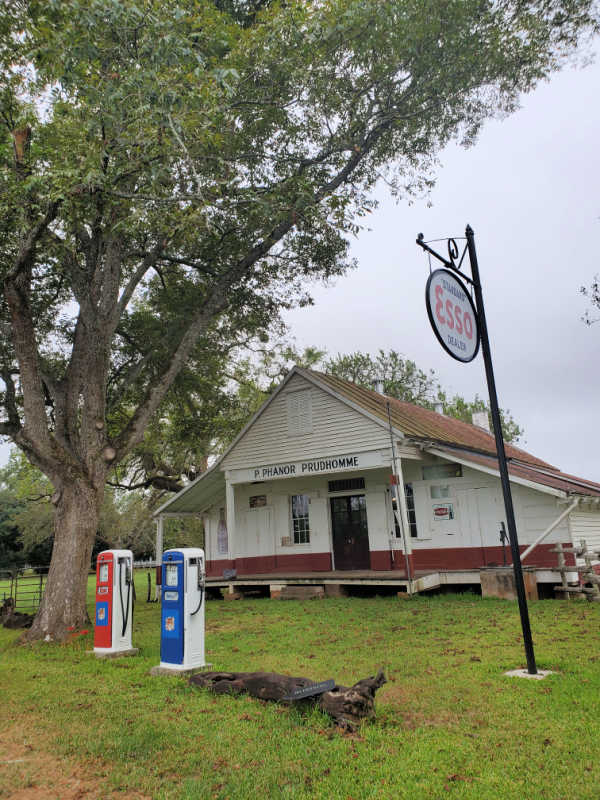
422 424
426 428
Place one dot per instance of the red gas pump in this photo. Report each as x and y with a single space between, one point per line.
114 603
104 600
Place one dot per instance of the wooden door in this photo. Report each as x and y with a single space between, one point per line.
350 532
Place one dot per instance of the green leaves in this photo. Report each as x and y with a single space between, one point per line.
212 158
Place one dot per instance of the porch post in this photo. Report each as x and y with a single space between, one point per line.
403 506
158 550
230 517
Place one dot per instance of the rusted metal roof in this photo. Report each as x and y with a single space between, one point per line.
553 478
454 438
422 424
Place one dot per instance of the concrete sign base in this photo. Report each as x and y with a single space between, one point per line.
522 673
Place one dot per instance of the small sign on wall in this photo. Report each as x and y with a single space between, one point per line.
443 511
258 501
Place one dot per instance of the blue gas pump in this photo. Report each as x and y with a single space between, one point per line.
182 609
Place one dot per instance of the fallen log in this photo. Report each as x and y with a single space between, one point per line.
347 705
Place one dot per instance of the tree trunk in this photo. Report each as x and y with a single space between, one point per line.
63 608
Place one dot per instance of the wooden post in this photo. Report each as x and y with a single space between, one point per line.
562 568
158 551
230 518
590 575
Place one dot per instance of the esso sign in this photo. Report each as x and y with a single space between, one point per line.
452 315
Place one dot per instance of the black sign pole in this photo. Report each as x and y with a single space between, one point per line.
508 503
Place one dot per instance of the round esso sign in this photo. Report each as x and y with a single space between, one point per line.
452 315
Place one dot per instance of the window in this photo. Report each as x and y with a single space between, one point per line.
300 526
438 492
395 512
171 575
222 538
410 510
436 471
258 501
346 485
299 413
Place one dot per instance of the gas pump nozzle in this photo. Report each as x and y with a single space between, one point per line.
128 582
201 581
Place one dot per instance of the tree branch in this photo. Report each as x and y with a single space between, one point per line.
10 401
6 429
27 248
132 375
187 262
35 426
216 302
161 482
149 260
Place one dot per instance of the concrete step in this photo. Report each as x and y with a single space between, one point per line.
298 592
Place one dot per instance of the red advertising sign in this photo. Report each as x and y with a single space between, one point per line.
443 511
452 315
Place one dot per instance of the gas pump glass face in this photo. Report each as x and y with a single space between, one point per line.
171 575
103 575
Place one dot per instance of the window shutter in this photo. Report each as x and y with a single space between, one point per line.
299 413
304 413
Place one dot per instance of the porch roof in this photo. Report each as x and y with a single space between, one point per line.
198 496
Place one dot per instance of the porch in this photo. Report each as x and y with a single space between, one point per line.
339 582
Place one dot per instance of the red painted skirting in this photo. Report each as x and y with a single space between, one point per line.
259 565
450 558
214 569
475 557
381 559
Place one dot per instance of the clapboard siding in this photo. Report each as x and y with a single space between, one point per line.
585 526
336 430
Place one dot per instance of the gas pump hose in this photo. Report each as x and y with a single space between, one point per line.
201 590
125 617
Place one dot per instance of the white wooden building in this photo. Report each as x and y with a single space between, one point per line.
307 489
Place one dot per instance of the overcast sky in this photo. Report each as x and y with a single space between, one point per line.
530 188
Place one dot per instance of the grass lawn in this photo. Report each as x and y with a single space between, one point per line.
449 724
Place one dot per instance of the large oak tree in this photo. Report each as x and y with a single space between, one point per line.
175 172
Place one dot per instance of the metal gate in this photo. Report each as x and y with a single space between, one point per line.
25 587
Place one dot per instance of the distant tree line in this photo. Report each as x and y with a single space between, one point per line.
27 529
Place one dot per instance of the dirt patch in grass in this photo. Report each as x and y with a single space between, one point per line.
29 772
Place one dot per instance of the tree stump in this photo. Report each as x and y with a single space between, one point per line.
13 619
348 706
